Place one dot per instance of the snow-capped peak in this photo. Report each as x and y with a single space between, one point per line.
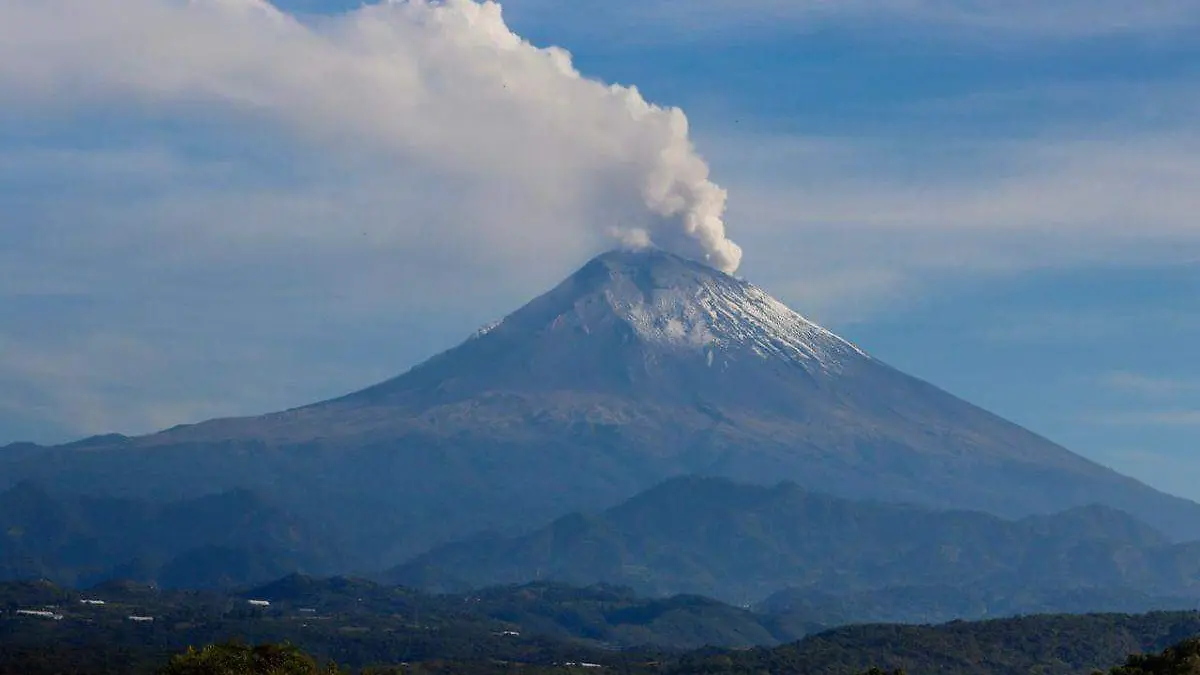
681 305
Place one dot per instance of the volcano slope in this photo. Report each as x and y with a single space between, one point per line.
640 366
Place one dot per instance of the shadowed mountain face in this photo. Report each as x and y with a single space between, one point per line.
741 543
639 367
217 540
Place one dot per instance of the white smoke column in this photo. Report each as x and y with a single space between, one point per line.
444 85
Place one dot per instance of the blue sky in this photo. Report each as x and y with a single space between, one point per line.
997 197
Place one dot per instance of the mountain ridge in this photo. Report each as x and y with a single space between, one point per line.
735 542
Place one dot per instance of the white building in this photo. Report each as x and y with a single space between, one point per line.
41 614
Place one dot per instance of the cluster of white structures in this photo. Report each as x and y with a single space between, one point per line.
55 616
136 618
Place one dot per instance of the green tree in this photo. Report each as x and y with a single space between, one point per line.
1182 659
232 658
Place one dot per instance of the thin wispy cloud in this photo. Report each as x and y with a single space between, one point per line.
1112 186
1071 326
1152 418
913 213
1150 385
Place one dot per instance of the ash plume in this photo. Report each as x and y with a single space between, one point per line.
443 85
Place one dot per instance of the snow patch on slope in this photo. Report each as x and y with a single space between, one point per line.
679 304
485 329
727 315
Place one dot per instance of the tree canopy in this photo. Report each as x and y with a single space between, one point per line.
232 658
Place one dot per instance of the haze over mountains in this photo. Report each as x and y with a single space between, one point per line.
741 543
640 367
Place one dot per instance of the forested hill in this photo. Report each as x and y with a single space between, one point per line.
225 539
46 630
1047 645
240 659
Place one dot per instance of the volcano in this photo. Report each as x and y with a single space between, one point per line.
639 367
